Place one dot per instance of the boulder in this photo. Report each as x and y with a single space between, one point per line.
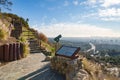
81 75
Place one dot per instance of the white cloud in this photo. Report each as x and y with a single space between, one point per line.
115 12
105 9
76 2
35 27
108 3
76 30
103 3
110 14
110 19
66 3
89 15
91 3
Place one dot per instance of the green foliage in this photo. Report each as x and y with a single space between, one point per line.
48 47
24 23
22 39
113 60
26 49
52 51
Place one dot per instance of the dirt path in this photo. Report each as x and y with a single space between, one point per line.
18 69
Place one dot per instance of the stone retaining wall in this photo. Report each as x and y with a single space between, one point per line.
66 66
11 52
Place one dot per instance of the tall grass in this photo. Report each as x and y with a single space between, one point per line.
3 34
26 49
95 71
48 47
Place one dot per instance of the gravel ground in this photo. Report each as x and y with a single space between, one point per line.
18 69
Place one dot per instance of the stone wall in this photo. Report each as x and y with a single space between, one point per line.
16 32
66 66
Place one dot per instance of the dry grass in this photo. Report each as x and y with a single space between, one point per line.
3 34
26 49
48 48
43 37
109 77
95 71
90 66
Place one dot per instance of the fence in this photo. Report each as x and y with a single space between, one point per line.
11 52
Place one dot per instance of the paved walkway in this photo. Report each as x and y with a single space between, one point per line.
44 73
31 68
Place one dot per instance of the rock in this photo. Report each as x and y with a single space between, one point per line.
113 71
48 58
81 75
66 66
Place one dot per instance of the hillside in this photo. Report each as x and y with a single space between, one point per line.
16 29
9 25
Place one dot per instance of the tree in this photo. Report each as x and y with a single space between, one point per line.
42 37
5 4
27 20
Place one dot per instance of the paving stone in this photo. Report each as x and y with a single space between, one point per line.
33 67
17 69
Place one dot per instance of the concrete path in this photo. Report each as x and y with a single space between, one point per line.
31 68
44 73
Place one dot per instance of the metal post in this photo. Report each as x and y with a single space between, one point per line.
55 47
56 39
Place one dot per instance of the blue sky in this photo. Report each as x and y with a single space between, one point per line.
71 18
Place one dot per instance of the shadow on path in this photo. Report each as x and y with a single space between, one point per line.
44 73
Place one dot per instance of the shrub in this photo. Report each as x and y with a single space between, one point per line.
17 19
22 39
26 49
48 47
3 34
42 37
